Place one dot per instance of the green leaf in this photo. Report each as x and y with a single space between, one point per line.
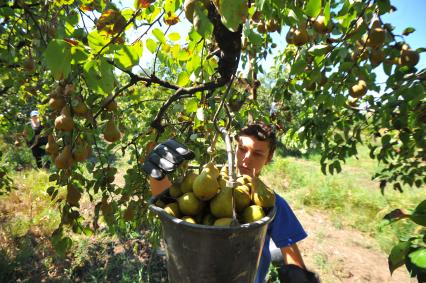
128 55
99 76
78 55
313 8
233 12
97 41
398 255
191 106
418 258
298 66
201 22
174 36
159 35
327 13
58 58
408 30
183 79
419 214
319 49
151 45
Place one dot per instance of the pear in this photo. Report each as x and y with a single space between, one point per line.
376 56
189 219
189 204
111 131
319 25
111 106
57 103
73 195
223 222
79 107
210 168
173 209
408 57
64 159
262 195
64 122
297 37
175 191
359 89
208 219
205 186
187 183
52 147
221 205
252 213
242 197
376 36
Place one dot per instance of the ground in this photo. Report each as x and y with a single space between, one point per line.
343 255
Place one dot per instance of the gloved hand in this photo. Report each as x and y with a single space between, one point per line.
294 274
165 158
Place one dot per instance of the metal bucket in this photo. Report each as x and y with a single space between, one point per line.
207 254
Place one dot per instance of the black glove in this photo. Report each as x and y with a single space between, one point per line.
294 274
165 158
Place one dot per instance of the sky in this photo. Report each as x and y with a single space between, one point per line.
410 13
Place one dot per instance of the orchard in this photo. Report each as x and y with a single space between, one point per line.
111 79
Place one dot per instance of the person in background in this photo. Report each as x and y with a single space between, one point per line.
36 142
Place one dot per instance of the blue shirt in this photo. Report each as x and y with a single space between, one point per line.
285 230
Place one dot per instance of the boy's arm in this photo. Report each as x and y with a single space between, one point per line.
292 255
158 186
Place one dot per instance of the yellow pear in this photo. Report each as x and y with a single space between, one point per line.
242 197
111 131
408 57
52 147
223 222
189 204
64 159
205 186
359 89
376 36
253 213
173 209
262 195
189 219
188 181
210 168
221 205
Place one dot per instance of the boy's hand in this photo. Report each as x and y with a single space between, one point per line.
165 158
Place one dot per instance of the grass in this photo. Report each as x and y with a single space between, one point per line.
351 198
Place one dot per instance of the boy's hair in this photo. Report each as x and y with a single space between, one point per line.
261 131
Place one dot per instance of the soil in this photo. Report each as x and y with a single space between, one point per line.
343 255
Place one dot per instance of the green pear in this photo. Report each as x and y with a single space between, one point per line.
187 183
242 197
205 186
189 204
253 213
223 222
210 168
262 195
173 209
175 191
221 205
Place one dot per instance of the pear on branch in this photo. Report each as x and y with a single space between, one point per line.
81 151
52 147
358 90
408 57
319 25
111 131
297 37
376 35
64 160
64 122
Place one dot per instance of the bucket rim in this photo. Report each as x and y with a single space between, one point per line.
246 226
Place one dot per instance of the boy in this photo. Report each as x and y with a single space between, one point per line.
256 144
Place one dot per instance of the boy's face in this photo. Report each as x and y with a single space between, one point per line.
252 154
